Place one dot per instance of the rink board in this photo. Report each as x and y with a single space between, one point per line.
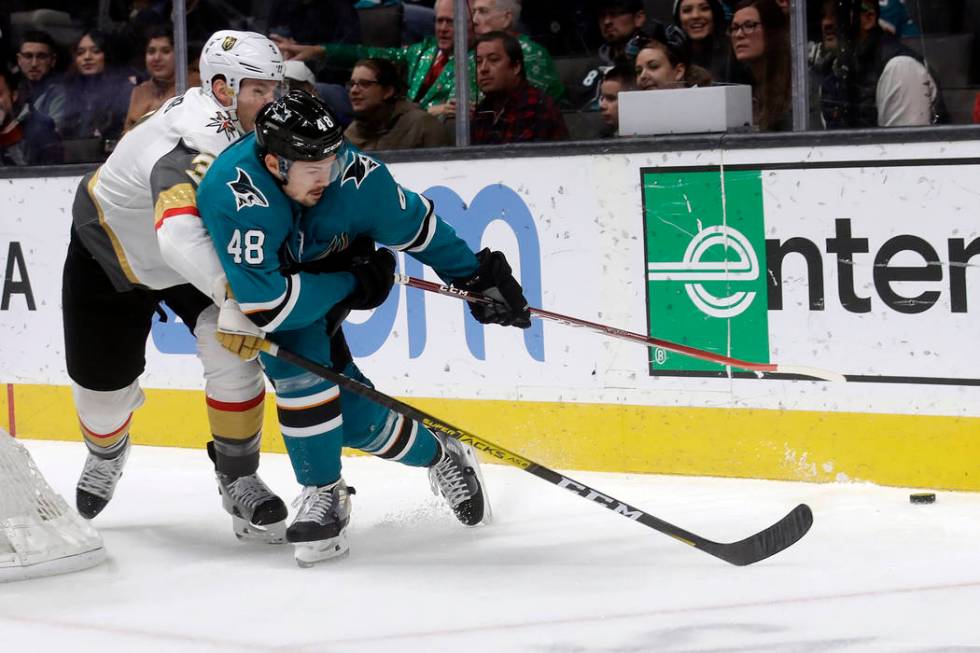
862 260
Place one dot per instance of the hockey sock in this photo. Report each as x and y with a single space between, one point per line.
107 445
312 429
236 458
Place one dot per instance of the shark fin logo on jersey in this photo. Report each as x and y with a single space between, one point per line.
223 124
358 169
402 201
246 194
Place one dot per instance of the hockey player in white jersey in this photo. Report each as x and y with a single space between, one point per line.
136 240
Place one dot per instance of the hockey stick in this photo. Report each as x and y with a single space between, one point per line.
772 368
784 533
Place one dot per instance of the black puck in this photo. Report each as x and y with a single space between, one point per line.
923 497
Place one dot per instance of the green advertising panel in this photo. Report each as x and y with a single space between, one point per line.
706 266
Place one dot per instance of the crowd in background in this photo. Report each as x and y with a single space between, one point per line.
74 81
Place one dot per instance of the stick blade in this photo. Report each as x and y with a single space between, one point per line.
781 535
813 372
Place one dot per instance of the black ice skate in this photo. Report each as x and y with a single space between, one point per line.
257 514
458 478
98 481
318 531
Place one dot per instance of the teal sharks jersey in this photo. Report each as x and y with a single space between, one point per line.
257 229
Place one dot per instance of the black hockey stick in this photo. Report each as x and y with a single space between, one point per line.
784 533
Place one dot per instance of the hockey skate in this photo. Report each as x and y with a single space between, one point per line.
257 514
98 481
458 478
319 529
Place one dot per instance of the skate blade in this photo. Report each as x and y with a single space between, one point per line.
268 534
310 553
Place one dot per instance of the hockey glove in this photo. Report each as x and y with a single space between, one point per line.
374 275
237 333
494 279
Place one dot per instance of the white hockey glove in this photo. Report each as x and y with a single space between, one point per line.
237 333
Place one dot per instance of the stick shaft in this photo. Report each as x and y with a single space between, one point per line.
621 334
757 547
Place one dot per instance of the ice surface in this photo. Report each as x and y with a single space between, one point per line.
552 573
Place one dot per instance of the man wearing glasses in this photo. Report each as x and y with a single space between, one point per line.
383 118
36 58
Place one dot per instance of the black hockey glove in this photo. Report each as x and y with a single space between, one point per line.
374 275
341 261
494 280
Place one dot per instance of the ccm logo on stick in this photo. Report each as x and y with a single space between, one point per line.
583 491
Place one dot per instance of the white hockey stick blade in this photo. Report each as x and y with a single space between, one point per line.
815 372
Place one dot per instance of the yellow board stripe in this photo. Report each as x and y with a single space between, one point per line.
900 450
116 245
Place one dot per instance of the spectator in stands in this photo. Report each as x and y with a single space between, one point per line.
663 60
98 94
502 16
760 39
383 118
39 87
26 137
876 81
430 63
512 111
616 80
619 21
161 86
707 31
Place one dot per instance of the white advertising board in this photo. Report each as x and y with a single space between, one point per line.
842 241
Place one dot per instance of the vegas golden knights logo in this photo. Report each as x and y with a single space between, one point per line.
228 43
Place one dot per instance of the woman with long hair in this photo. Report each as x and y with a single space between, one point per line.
160 61
760 40
97 92
706 27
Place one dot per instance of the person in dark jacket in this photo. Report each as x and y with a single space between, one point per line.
27 138
873 79
39 84
98 93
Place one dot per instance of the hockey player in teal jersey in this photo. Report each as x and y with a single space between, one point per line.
294 212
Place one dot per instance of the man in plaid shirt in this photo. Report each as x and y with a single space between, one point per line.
512 111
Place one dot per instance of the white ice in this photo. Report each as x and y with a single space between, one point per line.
554 572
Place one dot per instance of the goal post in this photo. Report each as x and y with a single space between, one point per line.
40 535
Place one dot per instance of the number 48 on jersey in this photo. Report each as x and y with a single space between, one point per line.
247 246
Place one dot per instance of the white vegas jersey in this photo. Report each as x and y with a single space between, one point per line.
138 215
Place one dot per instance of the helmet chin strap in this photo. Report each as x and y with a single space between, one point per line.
231 109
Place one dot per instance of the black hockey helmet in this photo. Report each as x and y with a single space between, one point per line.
298 127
